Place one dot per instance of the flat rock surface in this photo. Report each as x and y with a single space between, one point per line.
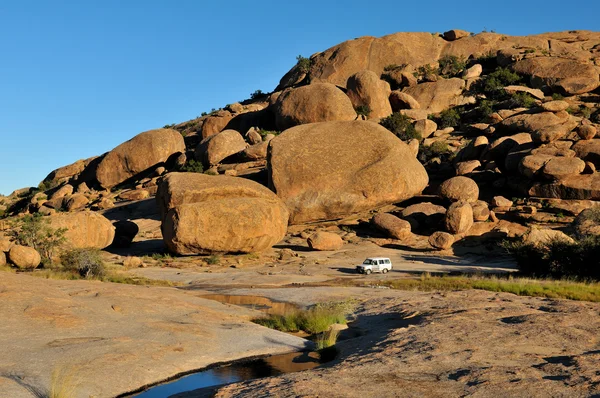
469 343
116 338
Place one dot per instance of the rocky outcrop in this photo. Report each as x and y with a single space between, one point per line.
210 214
459 217
310 104
325 171
141 153
564 75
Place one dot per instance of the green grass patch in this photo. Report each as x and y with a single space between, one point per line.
316 319
565 289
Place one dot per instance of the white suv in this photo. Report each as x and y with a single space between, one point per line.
375 264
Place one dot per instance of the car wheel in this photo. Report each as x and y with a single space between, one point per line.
368 271
383 271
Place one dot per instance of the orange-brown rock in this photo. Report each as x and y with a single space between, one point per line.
589 150
142 153
459 217
391 225
400 100
325 241
84 229
441 240
460 188
230 224
180 188
437 96
565 75
134 194
215 123
325 171
24 257
212 150
75 202
583 186
318 102
365 88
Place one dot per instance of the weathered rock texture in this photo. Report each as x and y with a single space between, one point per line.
325 171
139 154
210 214
84 229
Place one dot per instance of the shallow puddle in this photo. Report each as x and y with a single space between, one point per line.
264 367
259 303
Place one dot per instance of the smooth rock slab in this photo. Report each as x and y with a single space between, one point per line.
117 337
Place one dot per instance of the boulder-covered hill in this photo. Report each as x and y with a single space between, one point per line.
516 116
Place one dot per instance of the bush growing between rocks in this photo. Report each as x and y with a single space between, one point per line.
401 125
558 258
522 100
35 231
303 63
363 110
451 65
448 118
438 149
193 166
86 262
492 85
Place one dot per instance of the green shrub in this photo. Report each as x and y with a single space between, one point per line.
35 231
169 126
492 85
558 258
193 166
425 70
47 185
438 149
258 94
86 262
451 65
213 260
263 133
448 118
522 100
391 67
316 319
557 97
303 64
363 110
401 125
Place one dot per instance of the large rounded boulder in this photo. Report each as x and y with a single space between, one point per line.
460 188
141 153
84 229
325 171
214 214
320 102
366 89
215 148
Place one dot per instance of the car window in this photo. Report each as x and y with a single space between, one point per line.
367 262
380 261
387 261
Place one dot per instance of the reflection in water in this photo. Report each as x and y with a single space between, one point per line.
255 302
264 367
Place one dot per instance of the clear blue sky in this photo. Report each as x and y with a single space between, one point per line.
79 77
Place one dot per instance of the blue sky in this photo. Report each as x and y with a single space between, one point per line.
79 77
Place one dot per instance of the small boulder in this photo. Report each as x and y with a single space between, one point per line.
587 223
459 217
586 132
134 194
63 191
256 152
212 150
84 229
400 100
540 236
555 106
455 34
441 240
75 202
473 72
253 136
481 211
500 203
5 245
425 127
437 96
561 167
459 188
325 241
132 262
391 225
24 257
365 88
